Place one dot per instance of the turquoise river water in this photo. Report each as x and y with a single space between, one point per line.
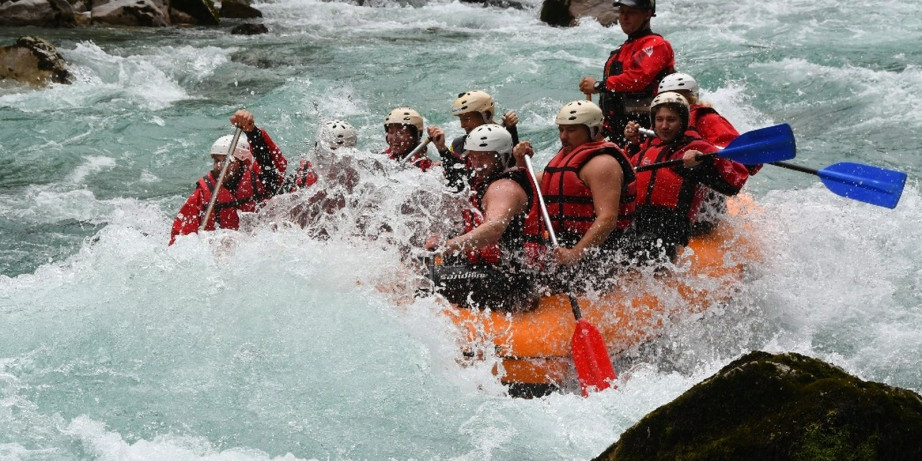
272 344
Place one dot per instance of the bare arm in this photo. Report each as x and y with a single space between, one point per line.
604 177
503 201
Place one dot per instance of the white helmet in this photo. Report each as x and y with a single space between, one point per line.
241 152
672 99
677 82
474 101
338 133
404 116
490 138
581 113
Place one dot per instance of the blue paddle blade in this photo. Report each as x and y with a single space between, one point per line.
765 145
869 184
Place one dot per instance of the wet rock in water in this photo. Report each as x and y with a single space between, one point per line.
130 13
499 3
249 29
33 60
237 10
779 407
202 12
565 13
41 13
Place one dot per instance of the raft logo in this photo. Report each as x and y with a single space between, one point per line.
465 275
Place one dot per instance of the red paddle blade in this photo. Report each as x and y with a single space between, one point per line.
590 357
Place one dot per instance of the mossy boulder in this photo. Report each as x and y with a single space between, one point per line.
779 407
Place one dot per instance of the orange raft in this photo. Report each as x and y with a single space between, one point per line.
533 347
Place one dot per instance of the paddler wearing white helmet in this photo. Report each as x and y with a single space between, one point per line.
473 109
493 246
403 128
255 174
589 189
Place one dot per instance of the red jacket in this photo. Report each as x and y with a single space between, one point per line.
256 185
631 76
715 129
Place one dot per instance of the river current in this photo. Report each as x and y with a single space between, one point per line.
275 343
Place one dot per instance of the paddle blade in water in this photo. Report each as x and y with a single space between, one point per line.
590 357
870 184
765 145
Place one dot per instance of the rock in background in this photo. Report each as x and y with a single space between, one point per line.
566 13
42 13
144 13
779 407
33 60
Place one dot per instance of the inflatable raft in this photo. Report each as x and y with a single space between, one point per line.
533 347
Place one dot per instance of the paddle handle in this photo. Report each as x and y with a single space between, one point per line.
417 150
214 194
647 132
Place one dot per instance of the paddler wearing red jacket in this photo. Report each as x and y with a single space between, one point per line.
668 198
588 187
633 71
255 174
491 264
403 128
713 128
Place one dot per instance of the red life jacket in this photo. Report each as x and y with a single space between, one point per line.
523 234
666 188
569 199
230 202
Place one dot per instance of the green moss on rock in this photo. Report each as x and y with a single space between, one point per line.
779 407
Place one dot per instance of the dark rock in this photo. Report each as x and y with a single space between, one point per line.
565 13
203 12
130 13
779 407
239 11
41 13
33 60
556 13
249 29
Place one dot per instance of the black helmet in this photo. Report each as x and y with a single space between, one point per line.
641 4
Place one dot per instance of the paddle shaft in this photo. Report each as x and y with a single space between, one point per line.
416 150
214 194
550 229
794 167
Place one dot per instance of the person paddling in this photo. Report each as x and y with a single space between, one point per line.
473 109
255 174
712 127
589 190
633 71
491 264
333 135
403 128
668 198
